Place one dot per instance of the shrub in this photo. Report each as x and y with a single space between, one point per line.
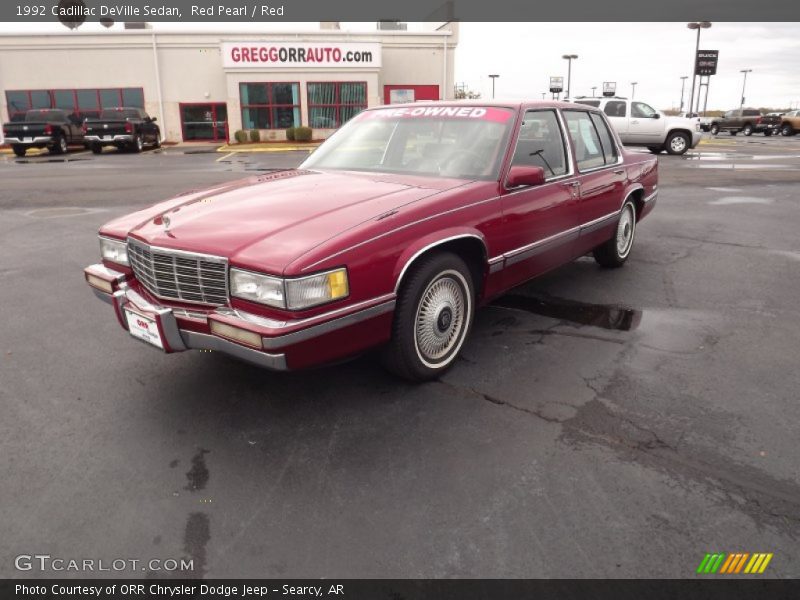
255 135
302 134
240 136
290 133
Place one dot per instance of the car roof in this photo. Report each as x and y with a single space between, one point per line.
513 104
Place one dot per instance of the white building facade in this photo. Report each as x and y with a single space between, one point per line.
206 86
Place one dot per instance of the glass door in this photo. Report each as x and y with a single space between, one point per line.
204 122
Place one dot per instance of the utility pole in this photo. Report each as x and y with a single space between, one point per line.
744 83
683 85
493 78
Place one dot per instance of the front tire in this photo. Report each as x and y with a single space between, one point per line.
678 143
748 130
787 130
434 311
137 144
19 150
615 251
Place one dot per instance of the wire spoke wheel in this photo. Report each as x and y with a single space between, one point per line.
441 318
625 229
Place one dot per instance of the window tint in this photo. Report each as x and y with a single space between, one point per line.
606 139
751 113
588 149
541 143
39 116
615 108
641 110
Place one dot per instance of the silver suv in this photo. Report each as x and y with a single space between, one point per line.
639 124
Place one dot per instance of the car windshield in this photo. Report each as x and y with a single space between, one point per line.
448 141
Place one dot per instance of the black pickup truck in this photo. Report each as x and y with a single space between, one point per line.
123 127
746 120
47 128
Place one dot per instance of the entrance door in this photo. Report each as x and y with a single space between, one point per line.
204 122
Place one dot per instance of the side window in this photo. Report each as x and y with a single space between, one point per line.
606 139
615 108
585 140
541 143
640 110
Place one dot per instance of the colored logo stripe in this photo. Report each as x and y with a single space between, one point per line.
720 562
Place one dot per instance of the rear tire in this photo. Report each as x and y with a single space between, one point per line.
19 150
616 251
96 149
787 130
714 129
60 146
678 143
432 318
137 144
748 130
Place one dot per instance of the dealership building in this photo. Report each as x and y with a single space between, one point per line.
205 86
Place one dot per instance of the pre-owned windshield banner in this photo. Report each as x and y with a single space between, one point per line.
78 11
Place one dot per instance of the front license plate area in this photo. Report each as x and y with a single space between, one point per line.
143 328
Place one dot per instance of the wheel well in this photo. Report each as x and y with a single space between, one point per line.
686 131
470 249
638 201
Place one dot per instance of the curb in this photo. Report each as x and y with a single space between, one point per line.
280 148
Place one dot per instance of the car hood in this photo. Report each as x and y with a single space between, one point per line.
275 218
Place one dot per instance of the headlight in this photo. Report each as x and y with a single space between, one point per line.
114 250
291 294
316 289
258 288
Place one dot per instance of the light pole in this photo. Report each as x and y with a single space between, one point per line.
593 89
493 78
698 25
683 84
744 83
543 95
633 89
569 58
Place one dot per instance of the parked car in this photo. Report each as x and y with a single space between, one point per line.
123 127
49 128
790 123
639 124
746 120
390 234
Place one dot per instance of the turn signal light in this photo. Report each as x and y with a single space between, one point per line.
243 336
100 284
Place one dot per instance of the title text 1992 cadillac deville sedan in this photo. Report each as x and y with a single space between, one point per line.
390 234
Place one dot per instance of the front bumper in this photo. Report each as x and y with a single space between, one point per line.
343 330
696 137
29 141
109 139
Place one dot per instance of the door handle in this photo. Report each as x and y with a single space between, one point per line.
619 171
635 122
572 183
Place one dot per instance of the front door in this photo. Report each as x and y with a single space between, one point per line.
204 122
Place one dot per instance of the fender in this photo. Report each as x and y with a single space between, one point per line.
422 245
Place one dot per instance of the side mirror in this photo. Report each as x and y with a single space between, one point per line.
153 119
520 175
657 116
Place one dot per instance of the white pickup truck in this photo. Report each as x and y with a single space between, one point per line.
639 124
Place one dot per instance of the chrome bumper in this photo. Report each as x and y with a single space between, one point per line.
274 334
23 141
99 139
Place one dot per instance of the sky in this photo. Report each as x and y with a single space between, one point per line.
655 55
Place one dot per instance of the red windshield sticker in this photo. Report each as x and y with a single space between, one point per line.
498 115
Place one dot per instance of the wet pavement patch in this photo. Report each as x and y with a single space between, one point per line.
195 539
740 200
64 211
198 475
597 315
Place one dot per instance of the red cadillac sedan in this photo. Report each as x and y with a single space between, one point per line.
390 235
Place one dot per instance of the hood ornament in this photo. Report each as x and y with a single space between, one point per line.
165 220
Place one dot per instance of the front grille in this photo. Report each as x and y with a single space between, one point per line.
178 275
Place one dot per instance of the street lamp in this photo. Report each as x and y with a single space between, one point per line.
594 87
744 83
633 89
569 58
493 78
543 95
698 25
683 84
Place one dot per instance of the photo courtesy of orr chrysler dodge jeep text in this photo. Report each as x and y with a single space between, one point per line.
390 235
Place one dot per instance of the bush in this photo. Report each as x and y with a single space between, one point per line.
290 133
240 136
255 135
302 134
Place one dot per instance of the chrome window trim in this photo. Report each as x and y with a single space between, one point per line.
564 144
613 133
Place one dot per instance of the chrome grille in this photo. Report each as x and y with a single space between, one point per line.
178 275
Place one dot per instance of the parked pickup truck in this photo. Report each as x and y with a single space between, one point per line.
390 235
746 120
47 128
790 123
639 124
122 127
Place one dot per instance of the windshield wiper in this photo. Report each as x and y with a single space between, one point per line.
540 155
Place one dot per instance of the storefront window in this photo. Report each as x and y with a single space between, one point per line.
83 103
270 105
331 105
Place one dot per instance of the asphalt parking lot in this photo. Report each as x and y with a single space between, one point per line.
601 423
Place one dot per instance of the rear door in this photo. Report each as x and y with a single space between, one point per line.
617 113
539 221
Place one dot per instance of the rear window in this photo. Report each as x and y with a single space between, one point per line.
119 114
45 115
751 113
